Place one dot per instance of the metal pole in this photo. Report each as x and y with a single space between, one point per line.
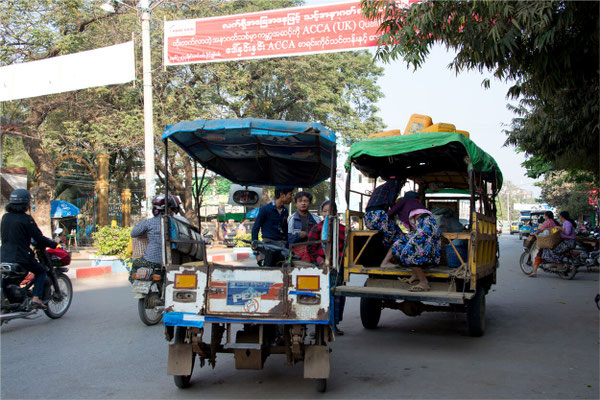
148 116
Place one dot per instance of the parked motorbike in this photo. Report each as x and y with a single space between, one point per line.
16 287
148 285
230 239
572 260
208 237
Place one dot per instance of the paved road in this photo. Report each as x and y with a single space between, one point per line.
541 342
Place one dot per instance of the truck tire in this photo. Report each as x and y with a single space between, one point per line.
370 312
182 381
321 385
476 314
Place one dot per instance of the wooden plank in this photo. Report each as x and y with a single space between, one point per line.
437 272
438 296
457 235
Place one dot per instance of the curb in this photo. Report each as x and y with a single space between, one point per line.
103 267
230 257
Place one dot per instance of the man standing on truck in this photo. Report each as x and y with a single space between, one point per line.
272 218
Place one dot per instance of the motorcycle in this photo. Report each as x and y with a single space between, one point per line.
230 239
208 237
16 287
572 261
147 284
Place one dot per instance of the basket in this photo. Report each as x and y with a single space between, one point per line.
451 257
138 246
550 241
529 241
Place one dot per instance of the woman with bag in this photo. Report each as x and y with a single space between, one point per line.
567 234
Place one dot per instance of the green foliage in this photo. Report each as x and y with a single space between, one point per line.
112 241
568 191
247 236
548 48
338 90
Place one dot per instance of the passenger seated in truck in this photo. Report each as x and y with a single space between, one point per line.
376 217
316 253
419 248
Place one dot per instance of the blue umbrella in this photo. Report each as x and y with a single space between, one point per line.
252 213
62 209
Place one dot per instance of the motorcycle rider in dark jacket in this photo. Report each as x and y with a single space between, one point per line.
17 229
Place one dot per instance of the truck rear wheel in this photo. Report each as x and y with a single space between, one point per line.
476 313
182 381
370 312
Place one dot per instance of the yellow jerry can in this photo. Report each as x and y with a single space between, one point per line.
393 132
417 123
463 133
440 127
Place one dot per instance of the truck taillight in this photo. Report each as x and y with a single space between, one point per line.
308 282
185 281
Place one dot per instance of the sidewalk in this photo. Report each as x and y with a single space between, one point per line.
84 263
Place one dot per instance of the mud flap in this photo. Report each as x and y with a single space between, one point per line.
180 359
316 362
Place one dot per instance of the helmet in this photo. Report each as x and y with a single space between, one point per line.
20 196
159 202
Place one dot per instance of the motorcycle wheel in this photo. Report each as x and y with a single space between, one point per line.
58 308
182 381
526 263
569 273
148 315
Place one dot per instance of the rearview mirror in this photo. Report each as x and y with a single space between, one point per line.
245 197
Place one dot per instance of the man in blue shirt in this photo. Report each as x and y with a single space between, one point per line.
272 218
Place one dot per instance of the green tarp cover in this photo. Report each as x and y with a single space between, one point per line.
446 148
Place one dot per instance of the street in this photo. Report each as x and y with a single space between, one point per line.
541 341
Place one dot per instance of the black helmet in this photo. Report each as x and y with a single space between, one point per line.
20 196
159 202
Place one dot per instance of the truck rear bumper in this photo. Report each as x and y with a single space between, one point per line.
198 321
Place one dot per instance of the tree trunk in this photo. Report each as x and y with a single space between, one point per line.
43 188
45 175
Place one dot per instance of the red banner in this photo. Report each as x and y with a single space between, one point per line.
273 33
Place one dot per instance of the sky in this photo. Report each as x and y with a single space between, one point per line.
436 90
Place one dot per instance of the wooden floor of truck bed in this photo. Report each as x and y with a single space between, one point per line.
395 289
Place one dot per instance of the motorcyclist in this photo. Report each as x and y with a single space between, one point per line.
151 229
18 229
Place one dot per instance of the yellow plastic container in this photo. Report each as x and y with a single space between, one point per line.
463 133
440 127
417 123
393 132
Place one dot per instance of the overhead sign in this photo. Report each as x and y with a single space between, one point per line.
272 33
99 67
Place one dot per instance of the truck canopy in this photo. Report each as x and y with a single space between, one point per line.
441 159
254 151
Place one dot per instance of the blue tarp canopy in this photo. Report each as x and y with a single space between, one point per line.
254 151
62 209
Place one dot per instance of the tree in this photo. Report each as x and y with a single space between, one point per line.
338 90
568 192
548 48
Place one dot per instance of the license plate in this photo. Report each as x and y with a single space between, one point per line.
141 286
